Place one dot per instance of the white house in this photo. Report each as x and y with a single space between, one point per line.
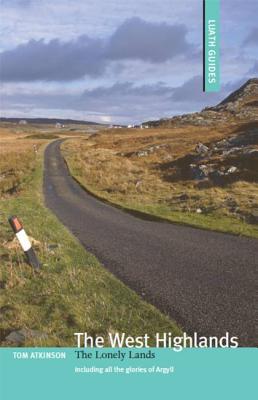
22 122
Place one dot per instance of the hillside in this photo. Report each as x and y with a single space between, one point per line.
200 169
245 98
239 106
48 121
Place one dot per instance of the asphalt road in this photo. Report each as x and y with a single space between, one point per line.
205 281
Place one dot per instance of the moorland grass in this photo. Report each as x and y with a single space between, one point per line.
108 166
72 292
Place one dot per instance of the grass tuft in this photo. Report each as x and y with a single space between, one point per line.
134 169
72 292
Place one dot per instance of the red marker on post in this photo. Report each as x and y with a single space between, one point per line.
24 242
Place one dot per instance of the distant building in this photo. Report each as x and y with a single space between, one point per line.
23 122
58 125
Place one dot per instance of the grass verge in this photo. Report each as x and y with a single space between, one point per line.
72 292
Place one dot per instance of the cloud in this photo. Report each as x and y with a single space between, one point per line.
191 94
15 3
55 60
123 102
252 38
254 69
191 91
66 19
38 60
127 89
141 40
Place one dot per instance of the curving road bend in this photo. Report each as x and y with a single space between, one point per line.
206 281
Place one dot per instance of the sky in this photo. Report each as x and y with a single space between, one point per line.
117 61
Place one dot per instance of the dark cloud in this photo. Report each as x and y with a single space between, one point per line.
135 39
102 98
141 40
192 92
252 38
122 102
127 89
126 99
38 60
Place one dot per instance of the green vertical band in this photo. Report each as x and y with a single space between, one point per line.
211 45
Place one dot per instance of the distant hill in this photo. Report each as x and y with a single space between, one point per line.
49 121
239 106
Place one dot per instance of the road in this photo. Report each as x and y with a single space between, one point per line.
205 281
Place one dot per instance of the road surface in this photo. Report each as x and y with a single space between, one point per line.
205 281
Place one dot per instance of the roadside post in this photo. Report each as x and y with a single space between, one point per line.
24 242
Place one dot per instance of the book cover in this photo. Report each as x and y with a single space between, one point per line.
128 199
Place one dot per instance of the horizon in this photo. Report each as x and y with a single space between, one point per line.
57 119
137 63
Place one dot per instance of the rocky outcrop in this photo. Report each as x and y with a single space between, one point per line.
221 162
144 152
239 106
242 104
19 337
244 96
